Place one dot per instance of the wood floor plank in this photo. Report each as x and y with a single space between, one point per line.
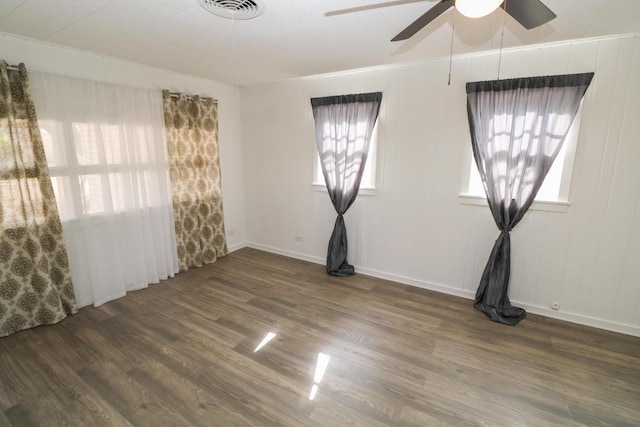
199 407
17 384
259 405
372 399
4 421
73 395
552 386
139 405
183 353
329 412
40 410
410 417
253 364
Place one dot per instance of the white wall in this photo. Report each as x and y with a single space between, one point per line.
48 58
415 230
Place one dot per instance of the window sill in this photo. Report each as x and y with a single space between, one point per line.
362 192
547 206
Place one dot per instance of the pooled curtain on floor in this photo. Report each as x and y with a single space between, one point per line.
35 281
191 127
107 157
517 128
343 125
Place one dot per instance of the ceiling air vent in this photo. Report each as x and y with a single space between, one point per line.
233 9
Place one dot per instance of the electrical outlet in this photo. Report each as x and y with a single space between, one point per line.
555 305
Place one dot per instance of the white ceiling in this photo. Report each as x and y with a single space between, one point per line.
292 38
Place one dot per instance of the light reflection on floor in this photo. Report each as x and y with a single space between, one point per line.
265 341
321 368
321 364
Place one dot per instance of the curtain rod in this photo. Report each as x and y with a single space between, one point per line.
190 97
173 94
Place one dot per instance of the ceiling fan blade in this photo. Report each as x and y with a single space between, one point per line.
529 13
419 23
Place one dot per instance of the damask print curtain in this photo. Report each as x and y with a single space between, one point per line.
517 129
35 281
191 125
344 125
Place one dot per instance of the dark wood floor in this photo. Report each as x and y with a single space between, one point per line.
181 353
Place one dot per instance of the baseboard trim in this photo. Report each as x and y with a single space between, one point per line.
580 319
416 282
290 254
237 247
542 311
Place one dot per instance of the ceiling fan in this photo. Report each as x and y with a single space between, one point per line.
529 13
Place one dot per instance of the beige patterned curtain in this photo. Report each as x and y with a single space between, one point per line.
35 281
194 168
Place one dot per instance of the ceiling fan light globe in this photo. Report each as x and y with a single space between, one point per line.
477 8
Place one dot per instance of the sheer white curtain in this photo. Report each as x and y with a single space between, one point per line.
107 157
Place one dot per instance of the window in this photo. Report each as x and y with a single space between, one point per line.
108 165
368 182
554 192
99 171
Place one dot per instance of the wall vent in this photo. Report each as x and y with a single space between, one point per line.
233 9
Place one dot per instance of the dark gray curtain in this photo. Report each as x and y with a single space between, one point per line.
343 130
517 128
